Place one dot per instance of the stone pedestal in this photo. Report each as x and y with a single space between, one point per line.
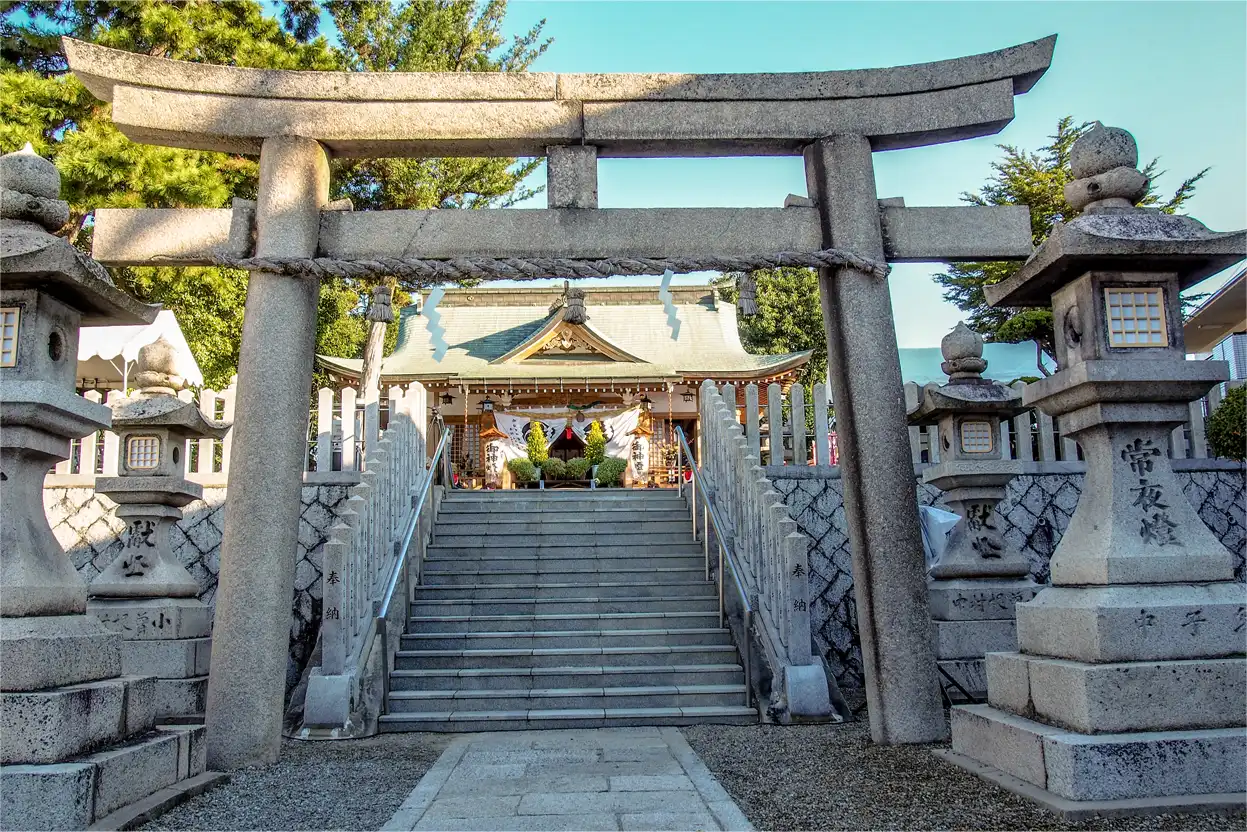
1128 690
76 736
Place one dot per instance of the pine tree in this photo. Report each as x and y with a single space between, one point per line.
1037 180
47 106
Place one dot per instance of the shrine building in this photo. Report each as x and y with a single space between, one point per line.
568 357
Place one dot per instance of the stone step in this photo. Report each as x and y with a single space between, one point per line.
561 566
529 657
74 794
456 721
543 639
468 577
528 588
587 526
426 624
565 606
550 536
646 696
560 550
453 515
523 678
551 495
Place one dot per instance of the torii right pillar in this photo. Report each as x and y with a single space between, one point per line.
880 495
1129 692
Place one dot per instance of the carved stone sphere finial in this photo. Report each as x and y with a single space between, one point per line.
157 370
29 173
1101 149
1104 162
29 187
963 353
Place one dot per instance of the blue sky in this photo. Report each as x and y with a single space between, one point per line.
1175 74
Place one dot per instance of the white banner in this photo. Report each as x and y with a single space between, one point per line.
616 424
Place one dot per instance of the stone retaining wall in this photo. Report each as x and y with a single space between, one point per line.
87 528
1036 512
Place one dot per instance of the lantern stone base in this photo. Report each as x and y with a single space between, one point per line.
972 618
74 794
166 638
1121 766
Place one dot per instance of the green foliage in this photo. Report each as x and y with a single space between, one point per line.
789 319
46 106
595 444
610 472
522 470
578 468
1227 426
554 468
1035 179
537 450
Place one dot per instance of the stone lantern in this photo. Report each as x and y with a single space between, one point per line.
62 695
1130 680
979 577
146 594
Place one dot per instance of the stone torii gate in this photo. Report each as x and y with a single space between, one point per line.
296 121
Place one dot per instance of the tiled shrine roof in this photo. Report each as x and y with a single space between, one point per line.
499 334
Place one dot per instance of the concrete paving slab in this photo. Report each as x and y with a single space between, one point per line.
604 778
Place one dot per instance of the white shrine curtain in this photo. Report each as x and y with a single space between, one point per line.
616 424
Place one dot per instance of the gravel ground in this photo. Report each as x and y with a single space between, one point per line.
346 784
831 777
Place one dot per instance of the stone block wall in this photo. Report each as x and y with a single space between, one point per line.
88 529
1036 512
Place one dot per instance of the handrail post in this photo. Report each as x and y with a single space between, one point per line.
692 504
705 538
748 651
722 583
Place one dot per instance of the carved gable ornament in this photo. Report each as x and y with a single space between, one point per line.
561 339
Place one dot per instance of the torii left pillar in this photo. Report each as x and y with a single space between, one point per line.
251 633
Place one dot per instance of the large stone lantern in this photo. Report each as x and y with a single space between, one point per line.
979 577
1130 680
62 695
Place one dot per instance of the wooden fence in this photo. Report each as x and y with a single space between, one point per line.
340 430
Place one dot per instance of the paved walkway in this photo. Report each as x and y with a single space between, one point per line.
603 778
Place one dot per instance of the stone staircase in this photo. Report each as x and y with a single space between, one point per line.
564 609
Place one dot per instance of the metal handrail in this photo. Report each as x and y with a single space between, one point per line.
712 519
403 546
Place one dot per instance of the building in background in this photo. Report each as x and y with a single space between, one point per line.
1218 328
567 357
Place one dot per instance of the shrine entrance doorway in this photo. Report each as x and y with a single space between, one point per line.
567 446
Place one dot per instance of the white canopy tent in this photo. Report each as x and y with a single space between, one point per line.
106 354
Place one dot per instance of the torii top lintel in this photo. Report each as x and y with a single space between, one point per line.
366 114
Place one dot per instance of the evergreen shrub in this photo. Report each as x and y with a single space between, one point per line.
595 444
1227 426
522 469
578 468
537 452
555 468
610 472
